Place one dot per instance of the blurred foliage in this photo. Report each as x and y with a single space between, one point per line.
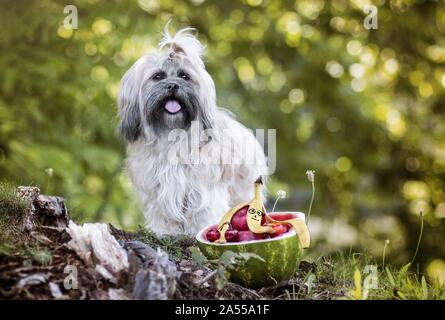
363 108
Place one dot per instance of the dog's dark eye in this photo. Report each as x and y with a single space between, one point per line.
158 76
184 76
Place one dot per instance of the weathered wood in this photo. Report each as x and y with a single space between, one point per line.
98 249
157 281
42 210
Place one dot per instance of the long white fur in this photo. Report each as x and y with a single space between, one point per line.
184 198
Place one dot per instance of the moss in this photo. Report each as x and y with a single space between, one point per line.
176 246
41 256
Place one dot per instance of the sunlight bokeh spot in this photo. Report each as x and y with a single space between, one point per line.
425 90
90 48
305 127
436 53
309 8
439 212
367 57
236 16
64 32
99 74
356 70
296 96
224 48
254 3
391 66
308 31
276 81
286 106
101 26
414 190
354 47
395 123
335 69
338 23
265 65
289 22
151 6
416 77
246 73
358 85
343 164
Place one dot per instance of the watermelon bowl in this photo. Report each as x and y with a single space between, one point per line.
281 254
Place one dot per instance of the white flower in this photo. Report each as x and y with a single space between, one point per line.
49 171
310 175
281 194
386 241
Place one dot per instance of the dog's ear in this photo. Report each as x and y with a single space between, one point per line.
130 126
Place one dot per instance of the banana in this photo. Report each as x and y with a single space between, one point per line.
299 226
256 211
222 231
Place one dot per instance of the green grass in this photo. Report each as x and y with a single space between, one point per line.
13 242
6 249
12 208
11 205
360 277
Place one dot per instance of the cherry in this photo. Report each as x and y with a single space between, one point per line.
263 220
239 220
279 230
231 235
259 236
249 235
213 234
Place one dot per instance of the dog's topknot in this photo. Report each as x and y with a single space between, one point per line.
183 42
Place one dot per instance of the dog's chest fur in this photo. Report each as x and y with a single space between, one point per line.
184 197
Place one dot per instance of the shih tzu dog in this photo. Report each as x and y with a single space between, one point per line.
189 160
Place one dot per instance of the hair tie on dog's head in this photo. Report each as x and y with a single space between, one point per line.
174 50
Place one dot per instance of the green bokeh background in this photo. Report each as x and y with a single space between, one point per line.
363 108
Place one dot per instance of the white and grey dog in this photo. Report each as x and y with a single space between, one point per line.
167 100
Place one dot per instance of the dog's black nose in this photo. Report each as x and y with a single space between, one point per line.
172 86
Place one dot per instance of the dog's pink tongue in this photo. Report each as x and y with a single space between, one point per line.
172 106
